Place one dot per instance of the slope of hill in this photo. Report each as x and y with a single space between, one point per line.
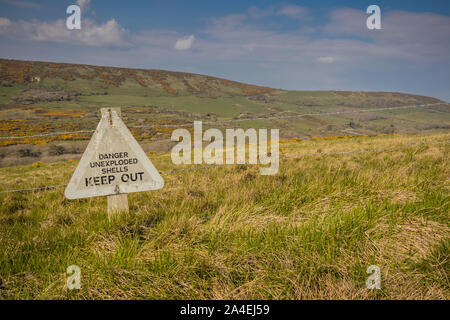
42 97
227 232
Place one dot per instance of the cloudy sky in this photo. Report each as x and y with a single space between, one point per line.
304 45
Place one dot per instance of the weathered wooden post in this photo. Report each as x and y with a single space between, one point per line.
119 202
113 165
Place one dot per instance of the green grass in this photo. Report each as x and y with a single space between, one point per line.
224 106
6 93
229 233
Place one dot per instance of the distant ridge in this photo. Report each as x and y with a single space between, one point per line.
24 72
172 82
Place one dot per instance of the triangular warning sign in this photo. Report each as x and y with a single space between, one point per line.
113 163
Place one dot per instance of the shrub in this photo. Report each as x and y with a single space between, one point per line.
354 125
56 150
28 153
74 150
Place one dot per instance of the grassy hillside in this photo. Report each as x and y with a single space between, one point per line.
227 232
42 97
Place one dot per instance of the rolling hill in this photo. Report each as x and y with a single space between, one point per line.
41 97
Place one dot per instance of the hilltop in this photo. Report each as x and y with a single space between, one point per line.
42 97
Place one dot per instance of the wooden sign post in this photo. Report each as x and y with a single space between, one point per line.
117 203
113 165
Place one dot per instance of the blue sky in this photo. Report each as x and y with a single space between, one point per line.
303 45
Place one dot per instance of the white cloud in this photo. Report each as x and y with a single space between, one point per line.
4 22
326 59
292 11
229 22
184 43
109 34
405 34
348 21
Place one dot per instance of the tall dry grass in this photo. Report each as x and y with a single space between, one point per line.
309 232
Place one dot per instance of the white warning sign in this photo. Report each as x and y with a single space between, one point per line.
113 163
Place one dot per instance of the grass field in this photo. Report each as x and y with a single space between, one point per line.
309 232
